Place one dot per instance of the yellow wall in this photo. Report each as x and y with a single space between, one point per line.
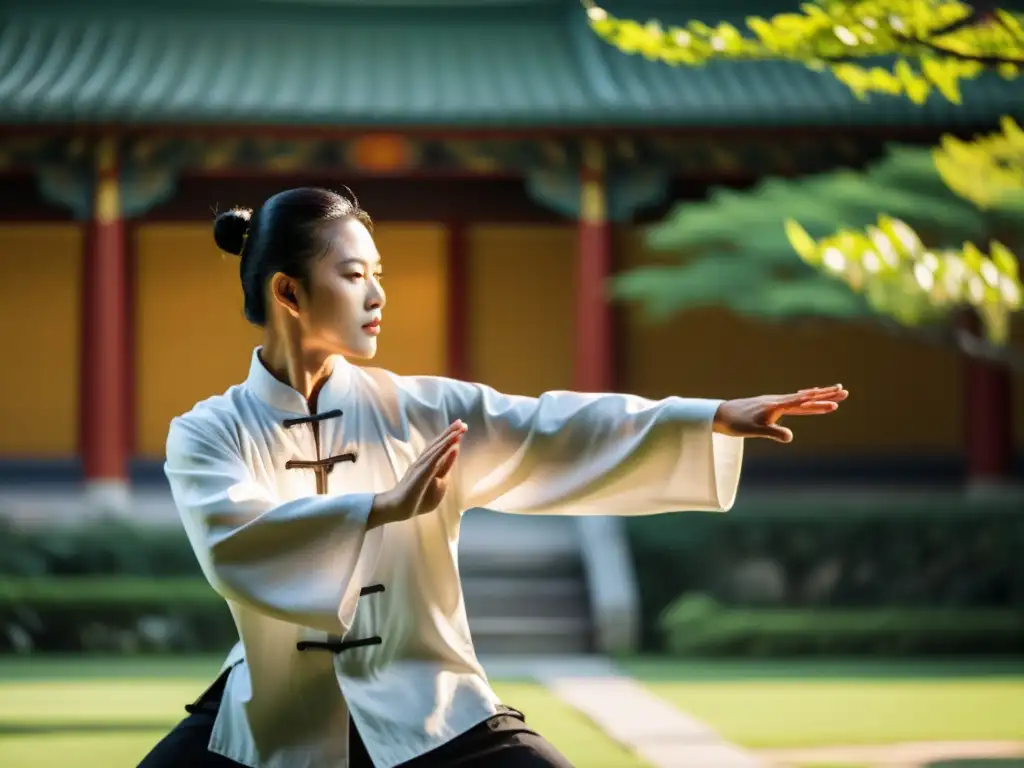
192 340
905 396
40 317
521 307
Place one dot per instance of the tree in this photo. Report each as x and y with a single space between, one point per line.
988 171
925 276
935 44
737 250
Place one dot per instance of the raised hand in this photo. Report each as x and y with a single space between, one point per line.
759 416
424 484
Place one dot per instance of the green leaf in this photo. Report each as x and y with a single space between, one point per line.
802 243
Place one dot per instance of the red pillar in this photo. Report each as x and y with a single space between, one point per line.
988 430
457 322
594 341
105 359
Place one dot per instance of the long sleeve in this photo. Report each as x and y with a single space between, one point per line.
293 561
582 454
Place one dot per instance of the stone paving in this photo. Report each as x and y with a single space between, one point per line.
655 730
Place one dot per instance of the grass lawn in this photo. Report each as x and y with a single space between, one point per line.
764 705
97 713
107 714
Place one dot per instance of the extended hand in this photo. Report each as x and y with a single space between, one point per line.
759 416
424 484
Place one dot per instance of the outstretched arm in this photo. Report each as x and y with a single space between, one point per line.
579 454
607 454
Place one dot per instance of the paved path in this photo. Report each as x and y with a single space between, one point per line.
644 723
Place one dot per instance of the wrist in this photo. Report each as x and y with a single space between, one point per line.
381 512
718 422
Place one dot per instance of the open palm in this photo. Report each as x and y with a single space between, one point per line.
760 416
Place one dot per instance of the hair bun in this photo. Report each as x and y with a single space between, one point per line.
230 228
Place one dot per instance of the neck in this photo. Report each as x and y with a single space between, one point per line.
289 361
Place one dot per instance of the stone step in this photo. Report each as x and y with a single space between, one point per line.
513 564
526 596
527 636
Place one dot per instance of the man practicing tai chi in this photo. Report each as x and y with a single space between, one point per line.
323 501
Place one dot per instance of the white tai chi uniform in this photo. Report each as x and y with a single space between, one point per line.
279 528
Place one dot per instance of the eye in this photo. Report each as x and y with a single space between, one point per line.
378 276
353 275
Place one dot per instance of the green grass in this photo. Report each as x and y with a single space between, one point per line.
763 705
108 714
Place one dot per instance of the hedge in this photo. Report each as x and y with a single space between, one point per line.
697 626
95 549
113 615
130 615
764 566
844 554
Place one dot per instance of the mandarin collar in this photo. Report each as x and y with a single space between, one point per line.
281 396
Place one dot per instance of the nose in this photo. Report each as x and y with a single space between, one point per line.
375 296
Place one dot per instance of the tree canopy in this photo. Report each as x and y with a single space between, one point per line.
933 44
736 249
895 242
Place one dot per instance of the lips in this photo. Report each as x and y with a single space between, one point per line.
372 327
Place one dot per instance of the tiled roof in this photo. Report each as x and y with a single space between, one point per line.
488 64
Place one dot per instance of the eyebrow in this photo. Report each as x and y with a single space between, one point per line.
353 260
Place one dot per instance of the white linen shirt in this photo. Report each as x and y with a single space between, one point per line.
291 563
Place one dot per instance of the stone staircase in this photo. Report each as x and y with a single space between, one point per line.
524 584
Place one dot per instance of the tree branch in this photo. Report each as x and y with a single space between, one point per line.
981 349
986 61
977 14
962 341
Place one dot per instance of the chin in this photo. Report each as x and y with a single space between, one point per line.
362 351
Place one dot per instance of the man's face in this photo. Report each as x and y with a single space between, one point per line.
340 310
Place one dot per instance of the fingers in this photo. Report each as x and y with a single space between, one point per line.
442 443
810 408
777 433
816 390
434 481
446 462
442 450
836 394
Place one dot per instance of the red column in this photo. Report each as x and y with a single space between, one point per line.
988 431
457 321
594 361
105 359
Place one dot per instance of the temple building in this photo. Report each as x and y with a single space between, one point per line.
509 158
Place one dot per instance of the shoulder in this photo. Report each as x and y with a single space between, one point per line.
429 391
211 425
427 401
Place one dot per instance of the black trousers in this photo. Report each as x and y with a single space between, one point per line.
502 741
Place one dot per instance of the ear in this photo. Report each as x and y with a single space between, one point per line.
286 292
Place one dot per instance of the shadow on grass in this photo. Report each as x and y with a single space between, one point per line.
42 729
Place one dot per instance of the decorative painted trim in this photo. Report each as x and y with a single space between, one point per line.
708 154
145 187
66 186
593 205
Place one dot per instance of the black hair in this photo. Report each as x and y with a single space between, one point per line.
283 236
